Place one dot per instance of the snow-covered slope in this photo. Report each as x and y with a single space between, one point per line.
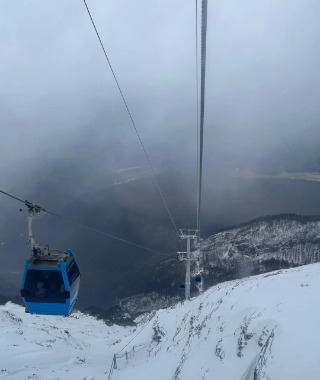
263 327
49 347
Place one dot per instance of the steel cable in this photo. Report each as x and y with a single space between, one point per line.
197 84
202 100
132 121
74 222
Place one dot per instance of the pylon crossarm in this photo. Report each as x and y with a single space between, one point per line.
188 234
183 256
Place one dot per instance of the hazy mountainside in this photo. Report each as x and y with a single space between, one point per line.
260 246
257 328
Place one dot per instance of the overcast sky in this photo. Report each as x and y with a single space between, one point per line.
58 99
263 77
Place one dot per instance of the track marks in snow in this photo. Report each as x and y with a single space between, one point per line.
245 335
220 350
265 354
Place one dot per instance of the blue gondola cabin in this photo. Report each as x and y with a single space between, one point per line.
198 279
50 284
182 289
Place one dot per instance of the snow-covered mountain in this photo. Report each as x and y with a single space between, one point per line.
256 328
261 246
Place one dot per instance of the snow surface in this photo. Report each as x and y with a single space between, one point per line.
49 347
263 327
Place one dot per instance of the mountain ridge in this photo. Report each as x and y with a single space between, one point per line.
289 240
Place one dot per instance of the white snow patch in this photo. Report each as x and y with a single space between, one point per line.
258 328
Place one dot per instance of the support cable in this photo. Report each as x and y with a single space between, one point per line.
202 97
197 83
132 121
74 222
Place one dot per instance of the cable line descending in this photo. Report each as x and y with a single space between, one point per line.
193 235
202 98
197 83
74 222
131 118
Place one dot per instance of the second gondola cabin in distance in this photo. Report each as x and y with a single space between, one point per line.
51 280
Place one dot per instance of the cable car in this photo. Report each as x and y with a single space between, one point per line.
51 280
50 284
182 288
198 279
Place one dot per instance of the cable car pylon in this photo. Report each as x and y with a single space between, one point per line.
188 257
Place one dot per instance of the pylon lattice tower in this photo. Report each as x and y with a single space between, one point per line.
188 257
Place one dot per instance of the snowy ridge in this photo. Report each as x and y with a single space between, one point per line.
257 328
261 246
263 327
282 239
